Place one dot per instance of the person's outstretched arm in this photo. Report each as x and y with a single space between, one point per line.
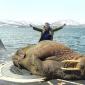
35 28
61 27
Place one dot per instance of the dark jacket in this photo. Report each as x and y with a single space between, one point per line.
47 35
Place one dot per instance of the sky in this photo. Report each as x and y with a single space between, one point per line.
39 11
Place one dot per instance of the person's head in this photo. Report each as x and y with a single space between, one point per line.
47 26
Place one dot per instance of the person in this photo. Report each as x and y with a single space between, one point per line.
47 32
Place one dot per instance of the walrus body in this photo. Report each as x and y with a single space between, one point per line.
45 59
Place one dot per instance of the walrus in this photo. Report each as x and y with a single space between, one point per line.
45 59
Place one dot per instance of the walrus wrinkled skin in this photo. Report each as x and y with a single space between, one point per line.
45 59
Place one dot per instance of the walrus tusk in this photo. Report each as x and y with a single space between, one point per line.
71 69
75 61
